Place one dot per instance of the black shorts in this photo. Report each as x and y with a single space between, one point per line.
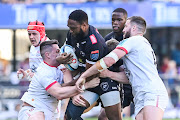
106 85
127 95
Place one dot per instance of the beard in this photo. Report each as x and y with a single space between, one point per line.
127 34
80 35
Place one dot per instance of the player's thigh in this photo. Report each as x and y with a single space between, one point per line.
113 112
112 105
37 116
110 98
139 116
102 115
152 113
29 113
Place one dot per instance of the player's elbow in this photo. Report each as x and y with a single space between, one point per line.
60 97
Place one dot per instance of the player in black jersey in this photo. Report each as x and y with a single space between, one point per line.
90 47
119 17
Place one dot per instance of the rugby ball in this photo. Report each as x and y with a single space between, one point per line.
69 49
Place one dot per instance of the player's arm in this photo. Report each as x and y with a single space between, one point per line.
117 76
101 65
60 92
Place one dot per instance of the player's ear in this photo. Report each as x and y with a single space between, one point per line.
134 27
47 54
84 26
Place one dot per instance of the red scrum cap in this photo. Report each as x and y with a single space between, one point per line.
38 26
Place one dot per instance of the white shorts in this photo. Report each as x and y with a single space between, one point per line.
27 111
154 99
108 99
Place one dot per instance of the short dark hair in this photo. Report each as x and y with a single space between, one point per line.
139 21
46 46
111 44
79 16
121 10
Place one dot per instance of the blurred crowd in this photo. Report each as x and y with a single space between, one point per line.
73 1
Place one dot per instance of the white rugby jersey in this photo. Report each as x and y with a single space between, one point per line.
43 79
140 66
34 58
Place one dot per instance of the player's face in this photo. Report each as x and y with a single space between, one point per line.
54 53
34 37
127 30
118 21
75 29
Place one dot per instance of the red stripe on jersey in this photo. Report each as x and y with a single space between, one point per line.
122 48
93 39
50 85
49 65
97 30
157 103
94 52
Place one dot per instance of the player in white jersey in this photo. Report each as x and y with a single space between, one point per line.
41 99
150 94
37 35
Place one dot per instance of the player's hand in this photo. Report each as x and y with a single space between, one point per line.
78 100
104 73
79 83
21 74
92 83
64 58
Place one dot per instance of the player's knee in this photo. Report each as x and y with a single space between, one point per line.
102 115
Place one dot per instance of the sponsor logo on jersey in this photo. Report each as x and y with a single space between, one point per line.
104 86
93 39
94 55
114 88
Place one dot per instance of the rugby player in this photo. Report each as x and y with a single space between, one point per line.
150 94
89 47
45 89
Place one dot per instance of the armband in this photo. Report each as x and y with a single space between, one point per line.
101 65
113 55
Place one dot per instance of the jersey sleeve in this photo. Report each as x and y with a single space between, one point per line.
48 82
127 45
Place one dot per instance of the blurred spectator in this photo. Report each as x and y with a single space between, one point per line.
175 55
24 64
4 67
174 97
171 73
16 1
164 65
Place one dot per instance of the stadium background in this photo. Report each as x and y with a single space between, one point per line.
163 21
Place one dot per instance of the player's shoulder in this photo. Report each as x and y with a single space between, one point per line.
109 36
45 70
94 36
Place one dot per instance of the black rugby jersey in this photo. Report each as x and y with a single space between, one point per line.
89 49
112 35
